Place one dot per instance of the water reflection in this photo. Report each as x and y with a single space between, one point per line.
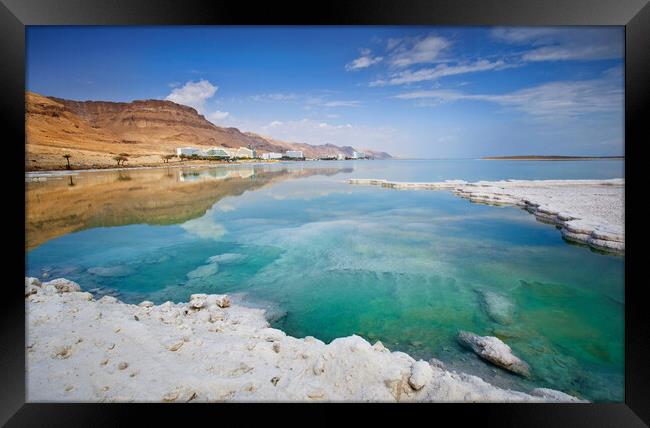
59 205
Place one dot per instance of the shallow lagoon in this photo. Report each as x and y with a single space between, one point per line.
328 259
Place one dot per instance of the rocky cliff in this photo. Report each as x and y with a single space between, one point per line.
140 128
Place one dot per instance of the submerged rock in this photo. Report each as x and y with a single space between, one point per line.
226 258
203 271
495 351
112 271
499 308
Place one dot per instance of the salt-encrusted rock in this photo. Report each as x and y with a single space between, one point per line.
434 362
495 351
378 346
499 308
198 301
553 395
176 346
146 304
32 285
221 300
227 361
63 285
319 366
216 316
83 295
421 373
107 300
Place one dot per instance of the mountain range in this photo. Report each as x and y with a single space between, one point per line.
93 132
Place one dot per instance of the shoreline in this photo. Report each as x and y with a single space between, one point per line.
66 172
208 350
584 210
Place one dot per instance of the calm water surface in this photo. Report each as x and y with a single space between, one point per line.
329 259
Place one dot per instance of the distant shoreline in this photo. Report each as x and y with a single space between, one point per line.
552 158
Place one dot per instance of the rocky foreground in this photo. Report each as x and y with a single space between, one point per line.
589 212
82 349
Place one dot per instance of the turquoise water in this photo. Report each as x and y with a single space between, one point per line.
329 259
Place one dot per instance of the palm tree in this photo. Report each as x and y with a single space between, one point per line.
67 157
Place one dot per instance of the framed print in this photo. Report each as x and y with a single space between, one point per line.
419 203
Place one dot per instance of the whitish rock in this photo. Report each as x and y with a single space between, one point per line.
553 395
32 285
198 301
203 271
378 346
221 300
495 351
227 258
227 361
108 300
436 363
63 285
421 373
146 304
499 308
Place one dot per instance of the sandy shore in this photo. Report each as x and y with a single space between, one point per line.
85 350
589 212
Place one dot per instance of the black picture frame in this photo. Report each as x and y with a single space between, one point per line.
633 14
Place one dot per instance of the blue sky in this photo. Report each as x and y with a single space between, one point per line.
426 92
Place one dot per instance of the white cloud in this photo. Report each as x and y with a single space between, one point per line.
341 103
562 99
559 53
406 52
442 70
275 123
562 44
218 116
277 96
193 94
364 61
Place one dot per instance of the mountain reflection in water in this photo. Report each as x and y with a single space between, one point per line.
58 205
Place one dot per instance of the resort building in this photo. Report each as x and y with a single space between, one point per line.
219 152
187 151
244 152
358 155
340 156
271 155
294 154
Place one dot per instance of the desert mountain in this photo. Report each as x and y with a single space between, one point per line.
140 128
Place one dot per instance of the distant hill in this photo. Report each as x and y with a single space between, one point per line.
542 157
94 131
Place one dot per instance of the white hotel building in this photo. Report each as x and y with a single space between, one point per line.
294 154
271 155
219 152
